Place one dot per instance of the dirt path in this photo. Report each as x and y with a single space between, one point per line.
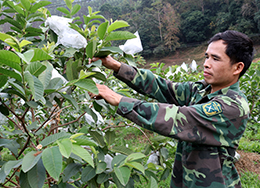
248 162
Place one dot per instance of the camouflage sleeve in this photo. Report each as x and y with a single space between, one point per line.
145 82
219 122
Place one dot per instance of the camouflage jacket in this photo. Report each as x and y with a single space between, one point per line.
207 125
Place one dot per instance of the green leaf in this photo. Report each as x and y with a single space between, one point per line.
122 149
63 10
17 87
72 69
3 109
123 174
26 4
136 165
91 48
36 68
24 43
9 73
84 141
10 59
30 160
101 167
117 160
23 180
38 5
14 23
117 24
26 56
35 85
68 3
87 84
52 138
134 156
46 75
164 152
102 178
65 146
109 50
75 9
76 135
152 183
159 139
52 161
98 138
71 170
12 145
85 74
15 7
40 55
3 80
120 35
102 29
88 173
37 175
165 174
110 137
7 167
71 100
89 10
54 84
153 166
83 153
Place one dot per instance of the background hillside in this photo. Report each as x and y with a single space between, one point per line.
188 54
168 25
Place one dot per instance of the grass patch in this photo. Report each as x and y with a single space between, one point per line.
250 180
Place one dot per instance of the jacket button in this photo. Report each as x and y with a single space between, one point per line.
124 109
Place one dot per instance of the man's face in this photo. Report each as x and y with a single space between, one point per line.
218 71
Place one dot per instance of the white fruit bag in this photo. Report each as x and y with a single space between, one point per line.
67 36
132 46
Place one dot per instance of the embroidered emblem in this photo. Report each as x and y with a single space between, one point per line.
212 108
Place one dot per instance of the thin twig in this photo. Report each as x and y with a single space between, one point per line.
46 120
11 175
13 112
131 126
66 123
12 182
25 145
17 125
109 127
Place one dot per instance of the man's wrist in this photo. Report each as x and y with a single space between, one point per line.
116 66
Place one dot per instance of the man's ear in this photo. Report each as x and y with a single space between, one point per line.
238 67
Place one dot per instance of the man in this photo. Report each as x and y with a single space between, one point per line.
207 117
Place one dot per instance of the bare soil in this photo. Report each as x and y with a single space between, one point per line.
248 162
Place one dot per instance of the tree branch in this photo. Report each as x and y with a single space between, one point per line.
11 176
25 145
131 126
46 119
10 109
66 123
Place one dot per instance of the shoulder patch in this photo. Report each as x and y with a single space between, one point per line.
212 108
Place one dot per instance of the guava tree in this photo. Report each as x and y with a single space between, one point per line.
52 134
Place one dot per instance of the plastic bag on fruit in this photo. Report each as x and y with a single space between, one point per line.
67 36
132 46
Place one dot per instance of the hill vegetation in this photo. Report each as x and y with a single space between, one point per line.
167 25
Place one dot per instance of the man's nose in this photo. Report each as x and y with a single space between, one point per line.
206 63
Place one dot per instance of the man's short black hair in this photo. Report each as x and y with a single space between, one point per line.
239 47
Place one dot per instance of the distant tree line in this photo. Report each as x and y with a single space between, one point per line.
165 25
